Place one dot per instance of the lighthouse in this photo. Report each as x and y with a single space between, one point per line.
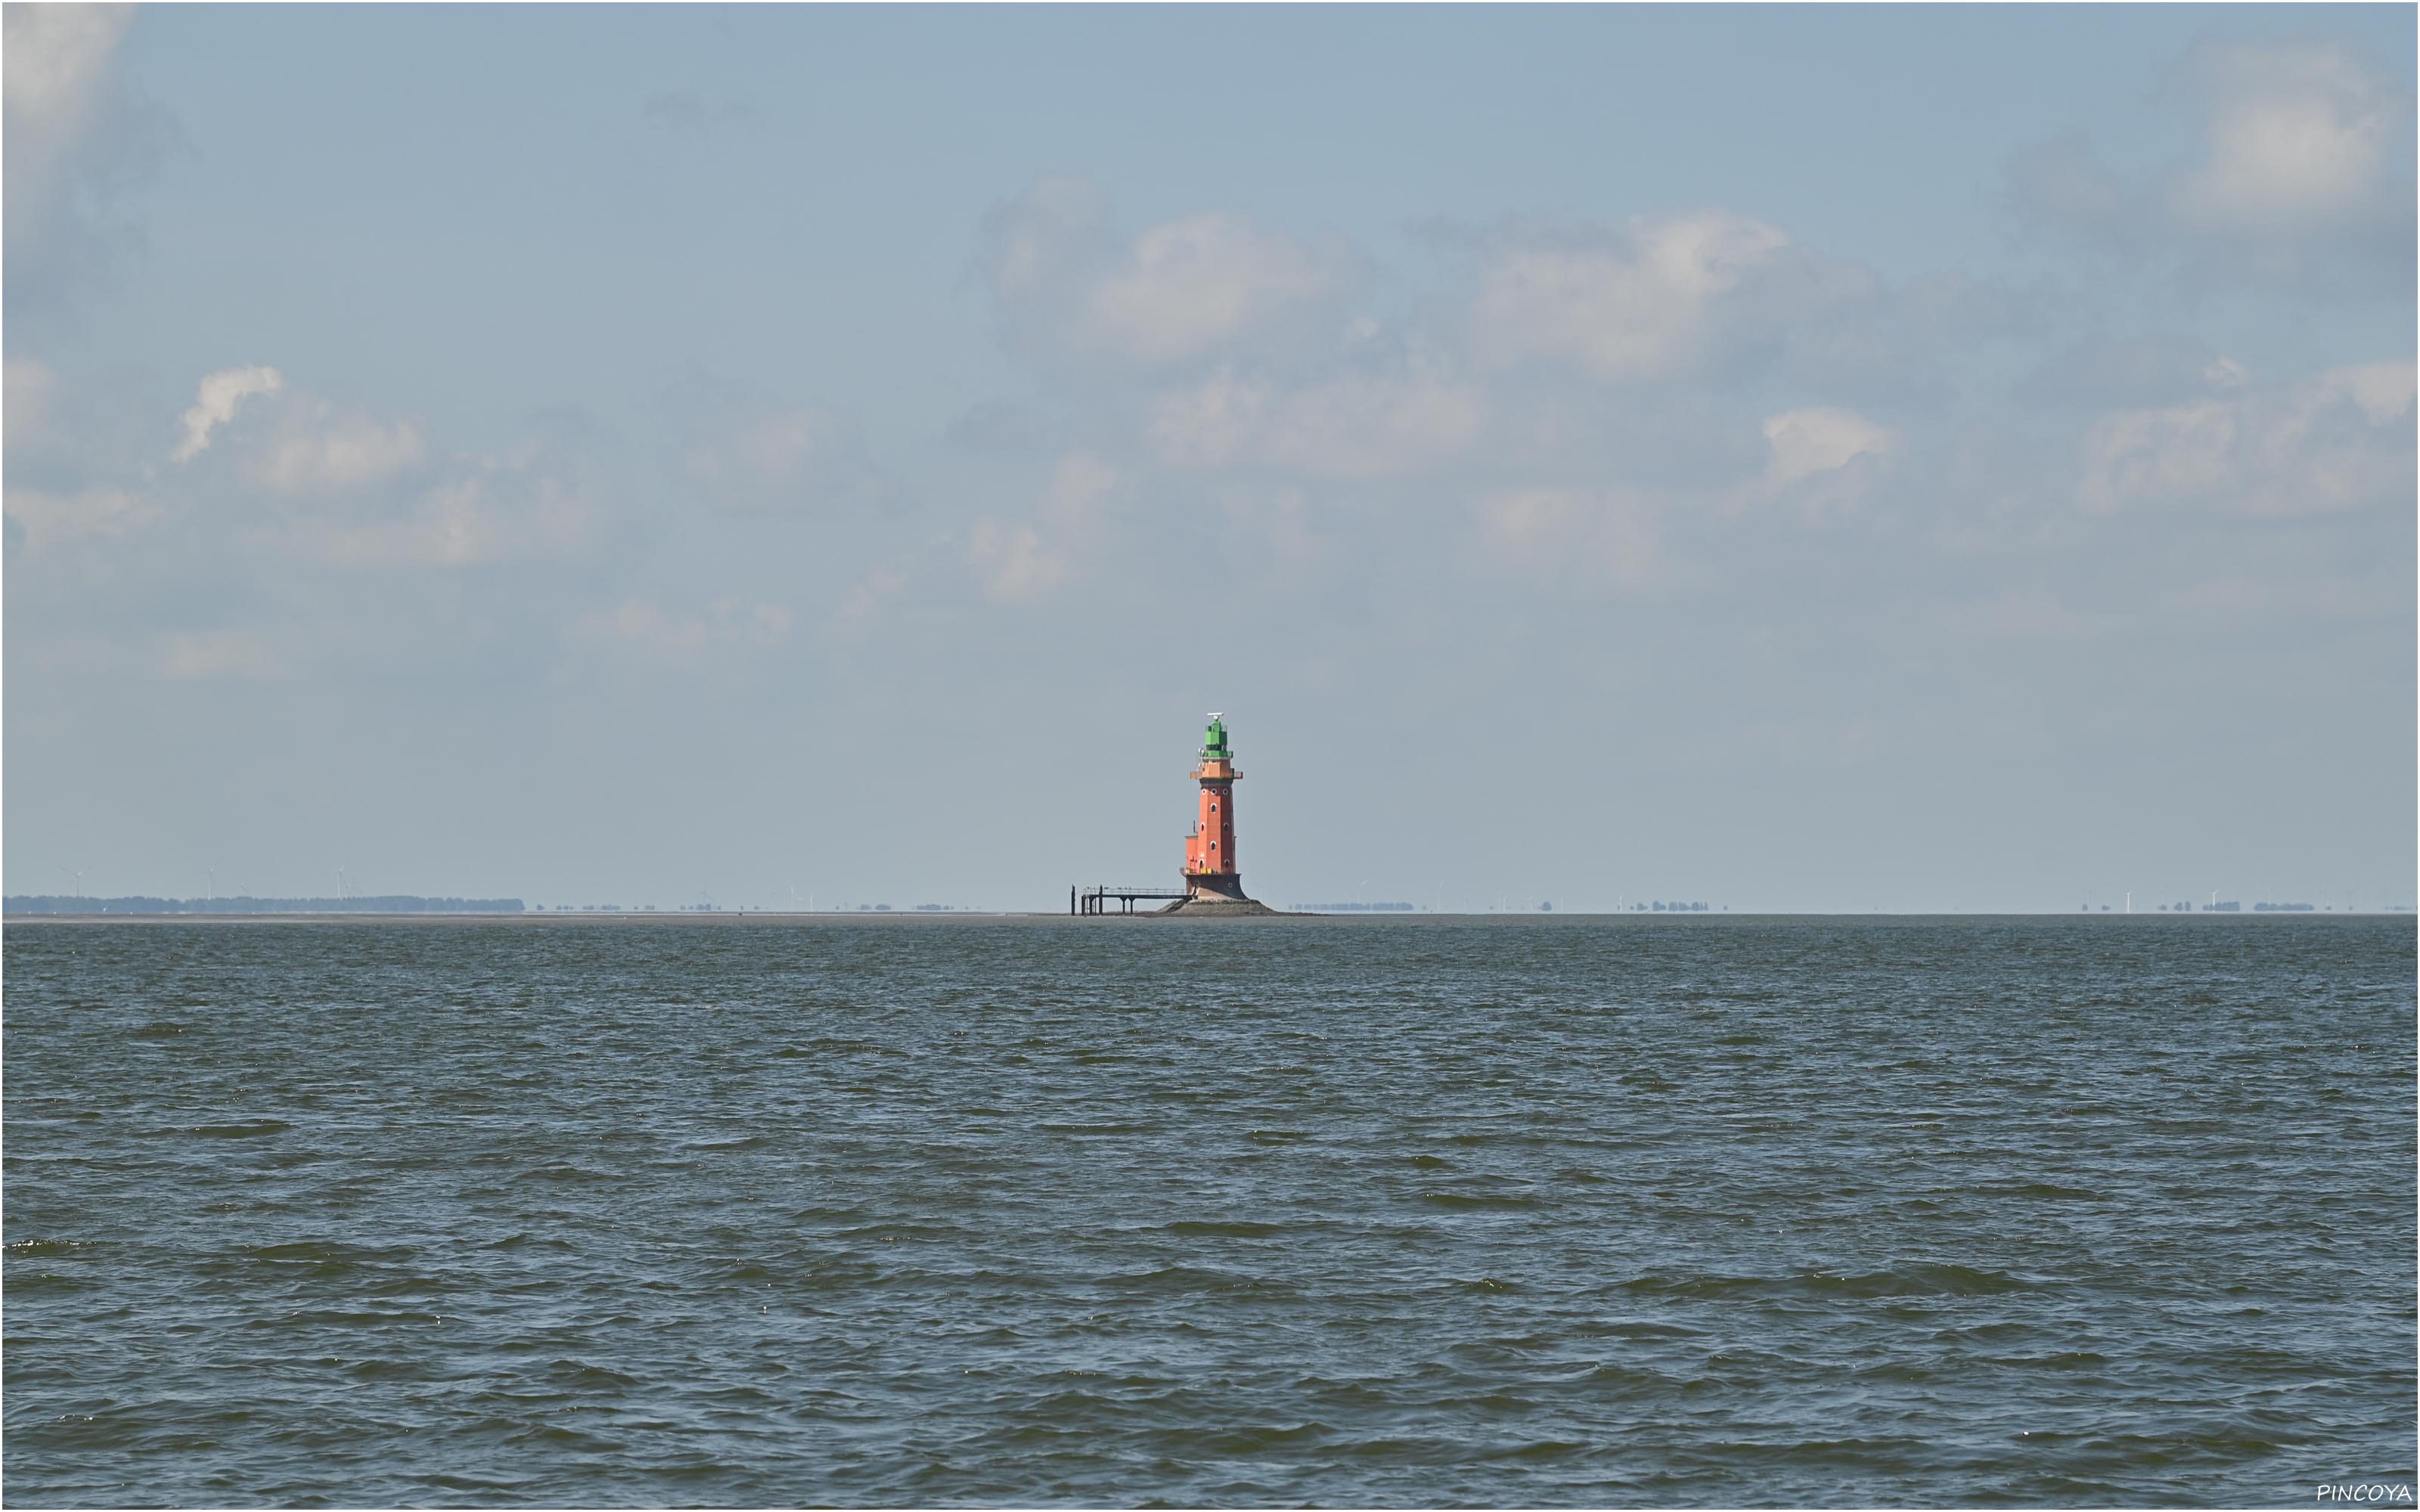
1211 870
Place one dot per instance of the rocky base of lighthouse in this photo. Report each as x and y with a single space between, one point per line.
1212 905
1218 895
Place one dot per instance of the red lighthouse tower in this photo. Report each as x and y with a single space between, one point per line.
1211 872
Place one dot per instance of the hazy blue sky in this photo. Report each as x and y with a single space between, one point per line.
1788 457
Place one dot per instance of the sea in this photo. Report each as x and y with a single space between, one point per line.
1537 1210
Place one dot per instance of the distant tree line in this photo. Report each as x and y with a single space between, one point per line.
398 903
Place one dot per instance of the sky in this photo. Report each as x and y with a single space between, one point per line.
1803 458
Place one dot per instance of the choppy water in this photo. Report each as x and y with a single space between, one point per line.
1353 1211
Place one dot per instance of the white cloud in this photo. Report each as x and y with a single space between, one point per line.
76 137
1804 443
215 404
1019 562
2303 152
2341 440
46 517
504 512
1642 306
312 447
1016 565
55 64
1191 286
318 450
308 446
1346 428
1713 297
452 525
1180 291
2381 391
2296 136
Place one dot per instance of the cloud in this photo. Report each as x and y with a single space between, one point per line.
1345 427
769 460
56 71
1804 443
1713 297
74 139
1019 562
2342 440
45 517
320 450
220 392
453 525
1191 286
2295 135
288 471
1646 303
58 63
2303 153
310 446
1016 567
531 506
1180 291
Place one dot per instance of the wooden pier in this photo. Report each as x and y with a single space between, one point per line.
1094 900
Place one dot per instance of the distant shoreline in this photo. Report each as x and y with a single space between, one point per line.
725 916
693 917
